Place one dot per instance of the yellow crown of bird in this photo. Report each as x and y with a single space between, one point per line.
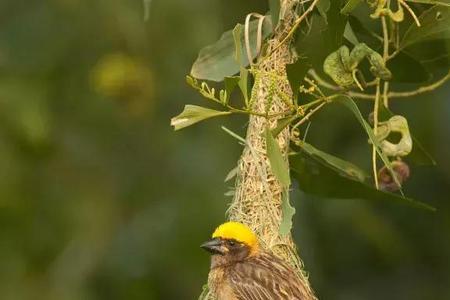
237 231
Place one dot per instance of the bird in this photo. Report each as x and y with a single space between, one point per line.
242 270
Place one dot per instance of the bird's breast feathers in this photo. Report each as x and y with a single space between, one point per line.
261 277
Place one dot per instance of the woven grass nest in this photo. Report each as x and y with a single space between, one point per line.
258 194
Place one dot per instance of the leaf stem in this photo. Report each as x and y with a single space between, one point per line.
308 115
254 113
409 9
385 59
407 94
375 131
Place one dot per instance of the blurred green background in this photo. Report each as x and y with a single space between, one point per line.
101 199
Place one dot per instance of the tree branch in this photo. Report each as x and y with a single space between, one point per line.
406 94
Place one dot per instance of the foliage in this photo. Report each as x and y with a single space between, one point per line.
99 199
349 30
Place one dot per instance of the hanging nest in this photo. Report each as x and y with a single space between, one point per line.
258 195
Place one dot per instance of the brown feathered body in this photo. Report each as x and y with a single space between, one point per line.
254 276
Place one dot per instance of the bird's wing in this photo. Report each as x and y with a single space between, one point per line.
245 289
265 278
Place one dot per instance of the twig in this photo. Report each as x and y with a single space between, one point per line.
394 54
386 94
249 112
323 82
375 131
235 135
385 38
408 8
313 84
371 83
308 115
376 105
385 58
361 95
421 90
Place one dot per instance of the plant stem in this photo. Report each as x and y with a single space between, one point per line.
421 90
375 131
308 115
249 112
376 105
385 59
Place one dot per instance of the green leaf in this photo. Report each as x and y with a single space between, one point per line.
334 33
350 6
440 2
230 84
283 123
296 73
323 36
243 84
420 155
405 68
351 105
274 7
237 33
288 211
435 24
316 178
433 54
277 163
311 44
193 114
323 6
362 32
343 167
350 35
217 61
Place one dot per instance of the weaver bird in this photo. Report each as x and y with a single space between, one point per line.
241 270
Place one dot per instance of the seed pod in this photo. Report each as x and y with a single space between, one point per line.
387 182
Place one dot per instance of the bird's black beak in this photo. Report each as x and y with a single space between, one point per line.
214 246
